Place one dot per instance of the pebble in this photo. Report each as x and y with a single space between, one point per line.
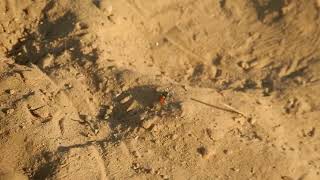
214 71
126 99
143 115
108 111
109 10
46 61
225 151
42 112
244 65
81 26
9 111
148 123
88 118
124 88
164 176
304 107
68 86
11 91
202 151
110 107
133 106
235 169
106 117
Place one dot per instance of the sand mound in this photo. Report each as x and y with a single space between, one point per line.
184 89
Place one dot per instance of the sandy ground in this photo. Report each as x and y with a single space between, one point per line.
160 89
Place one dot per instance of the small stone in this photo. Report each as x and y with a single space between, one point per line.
225 151
244 65
136 154
174 136
214 71
150 122
241 120
46 61
9 111
124 88
42 112
311 132
164 176
266 90
216 59
68 86
143 115
252 121
205 152
235 169
126 99
11 91
88 118
109 10
81 26
305 107
134 105
109 111
106 117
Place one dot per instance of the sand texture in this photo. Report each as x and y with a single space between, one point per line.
160 89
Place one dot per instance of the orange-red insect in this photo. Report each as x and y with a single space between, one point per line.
162 98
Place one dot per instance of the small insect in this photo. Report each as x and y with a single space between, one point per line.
162 98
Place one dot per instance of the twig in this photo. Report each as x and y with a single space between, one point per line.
227 109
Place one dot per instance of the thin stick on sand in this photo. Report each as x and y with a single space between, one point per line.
227 109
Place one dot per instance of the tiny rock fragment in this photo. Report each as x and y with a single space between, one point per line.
216 59
109 10
286 178
225 151
133 106
164 176
10 91
9 111
42 112
143 115
244 65
110 107
106 117
174 136
214 71
81 26
46 61
109 111
205 152
235 169
124 88
311 132
68 86
126 99
149 122
305 107
88 118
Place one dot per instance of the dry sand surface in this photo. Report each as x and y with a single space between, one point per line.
160 89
